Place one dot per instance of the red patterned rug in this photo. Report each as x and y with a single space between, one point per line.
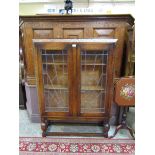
75 146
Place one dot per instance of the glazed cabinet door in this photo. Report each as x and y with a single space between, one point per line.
55 80
74 77
54 67
95 70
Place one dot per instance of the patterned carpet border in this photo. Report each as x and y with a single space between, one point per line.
75 146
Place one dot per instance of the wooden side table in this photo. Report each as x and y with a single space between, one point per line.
124 95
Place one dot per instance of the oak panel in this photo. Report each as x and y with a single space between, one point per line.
73 33
43 33
103 33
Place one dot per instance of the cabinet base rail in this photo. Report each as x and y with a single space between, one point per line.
74 134
45 132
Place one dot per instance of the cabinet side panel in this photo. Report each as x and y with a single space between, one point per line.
120 35
28 36
38 72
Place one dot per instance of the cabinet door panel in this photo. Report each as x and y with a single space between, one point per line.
74 77
93 81
55 80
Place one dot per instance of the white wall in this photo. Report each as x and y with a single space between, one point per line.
98 8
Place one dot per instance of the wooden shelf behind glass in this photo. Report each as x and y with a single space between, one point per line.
54 63
99 64
96 88
56 87
62 87
61 63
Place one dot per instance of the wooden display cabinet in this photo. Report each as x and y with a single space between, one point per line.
74 27
74 80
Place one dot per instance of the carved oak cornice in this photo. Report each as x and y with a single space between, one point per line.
120 17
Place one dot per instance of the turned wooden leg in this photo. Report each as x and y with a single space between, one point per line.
44 125
106 128
131 132
116 130
123 125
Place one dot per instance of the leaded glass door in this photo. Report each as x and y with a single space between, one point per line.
95 68
55 80
54 67
93 81
74 77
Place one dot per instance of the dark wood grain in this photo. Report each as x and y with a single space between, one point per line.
75 134
74 79
88 32
69 26
117 17
78 80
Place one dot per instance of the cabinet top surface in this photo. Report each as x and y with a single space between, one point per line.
112 41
